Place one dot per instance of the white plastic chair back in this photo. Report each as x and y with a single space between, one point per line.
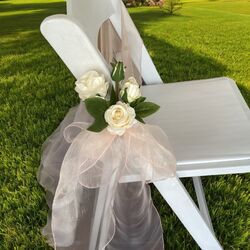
73 46
91 18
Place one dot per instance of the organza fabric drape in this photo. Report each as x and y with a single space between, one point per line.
97 183
97 189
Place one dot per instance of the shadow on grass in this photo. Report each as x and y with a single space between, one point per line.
9 7
19 22
245 92
173 63
177 64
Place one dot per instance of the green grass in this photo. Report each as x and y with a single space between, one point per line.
206 39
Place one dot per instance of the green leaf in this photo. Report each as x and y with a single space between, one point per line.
125 96
138 118
113 99
96 107
135 102
98 125
118 74
144 109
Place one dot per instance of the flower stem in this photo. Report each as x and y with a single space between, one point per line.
117 88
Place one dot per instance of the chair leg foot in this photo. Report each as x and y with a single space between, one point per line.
184 207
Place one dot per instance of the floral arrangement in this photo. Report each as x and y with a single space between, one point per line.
116 108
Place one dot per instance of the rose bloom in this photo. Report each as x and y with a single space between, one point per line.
133 89
91 84
119 118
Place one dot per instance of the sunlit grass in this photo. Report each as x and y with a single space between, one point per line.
206 39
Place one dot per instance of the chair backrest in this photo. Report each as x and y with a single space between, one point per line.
73 46
91 15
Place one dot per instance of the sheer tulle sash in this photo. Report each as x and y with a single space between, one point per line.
96 184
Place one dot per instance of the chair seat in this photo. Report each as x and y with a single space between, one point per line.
208 125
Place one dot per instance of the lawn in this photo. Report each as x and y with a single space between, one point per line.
206 39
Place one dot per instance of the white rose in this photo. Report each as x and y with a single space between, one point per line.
133 89
119 117
91 84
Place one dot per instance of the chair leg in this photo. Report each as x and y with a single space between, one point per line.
184 207
202 201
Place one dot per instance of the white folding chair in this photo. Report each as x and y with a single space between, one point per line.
207 122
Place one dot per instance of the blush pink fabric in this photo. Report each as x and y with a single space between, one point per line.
97 183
